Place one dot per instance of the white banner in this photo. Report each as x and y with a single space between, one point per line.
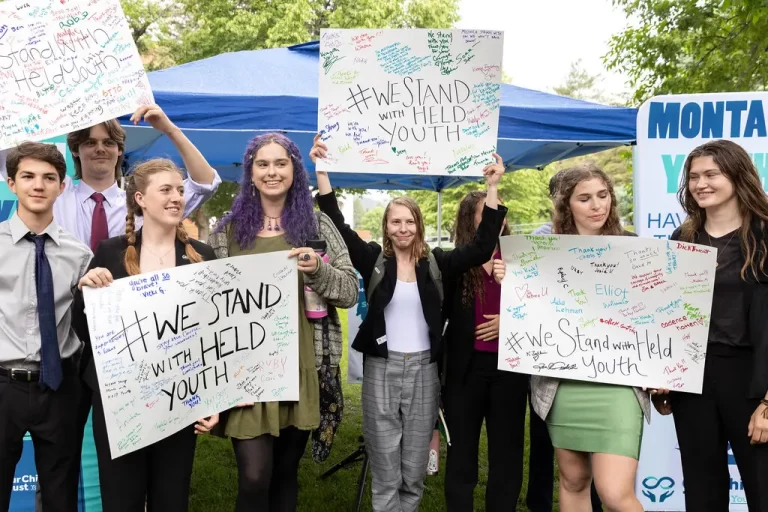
65 66
668 128
613 309
178 345
416 101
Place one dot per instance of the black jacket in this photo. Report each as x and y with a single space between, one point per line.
109 255
452 265
758 312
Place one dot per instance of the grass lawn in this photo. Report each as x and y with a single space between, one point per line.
214 481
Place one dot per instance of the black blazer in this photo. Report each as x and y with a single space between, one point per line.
452 265
109 255
758 312
460 337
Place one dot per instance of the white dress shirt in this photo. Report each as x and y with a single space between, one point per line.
73 209
19 321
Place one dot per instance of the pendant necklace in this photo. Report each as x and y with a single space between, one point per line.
157 255
276 221
719 252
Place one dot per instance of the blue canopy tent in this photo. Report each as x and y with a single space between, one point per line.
224 101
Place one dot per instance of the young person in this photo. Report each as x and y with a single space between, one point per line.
401 336
541 454
158 475
475 389
578 414
727 209
39 385
94 208
274 212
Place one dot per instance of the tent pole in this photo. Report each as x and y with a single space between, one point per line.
439 217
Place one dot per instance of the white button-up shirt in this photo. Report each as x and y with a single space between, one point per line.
73 209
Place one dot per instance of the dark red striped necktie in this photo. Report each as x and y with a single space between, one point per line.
99 226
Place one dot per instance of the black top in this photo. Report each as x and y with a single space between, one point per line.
730 311
452 265
109 255
755 294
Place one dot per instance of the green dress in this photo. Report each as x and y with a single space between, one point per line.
596 418
270 417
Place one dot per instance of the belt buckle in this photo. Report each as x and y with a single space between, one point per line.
21 371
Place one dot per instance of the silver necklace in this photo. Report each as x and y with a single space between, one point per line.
717 258
157 255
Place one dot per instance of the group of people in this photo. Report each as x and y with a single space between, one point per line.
430 334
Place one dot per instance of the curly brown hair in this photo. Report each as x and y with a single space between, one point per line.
736 165
472 281
564 223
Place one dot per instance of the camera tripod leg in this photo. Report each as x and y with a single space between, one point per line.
348 461
361 481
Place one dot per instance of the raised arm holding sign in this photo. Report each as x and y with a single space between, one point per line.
409 101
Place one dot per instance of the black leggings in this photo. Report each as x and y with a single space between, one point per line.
268 471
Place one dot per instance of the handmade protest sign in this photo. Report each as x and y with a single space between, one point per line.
65 66
612 309
411 101
175 346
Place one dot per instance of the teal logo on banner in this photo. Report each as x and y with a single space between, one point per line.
8 199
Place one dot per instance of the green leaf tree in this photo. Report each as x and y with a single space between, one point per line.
217 26
372 222
683 46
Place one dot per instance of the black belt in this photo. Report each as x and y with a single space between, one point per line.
68 367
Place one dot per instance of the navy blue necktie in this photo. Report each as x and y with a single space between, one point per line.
50 358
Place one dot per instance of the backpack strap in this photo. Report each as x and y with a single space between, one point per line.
376 276
437 276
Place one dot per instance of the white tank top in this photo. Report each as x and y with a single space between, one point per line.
407 331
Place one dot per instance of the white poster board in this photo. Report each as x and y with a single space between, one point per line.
668 128
415 101
612 309
175 346
65 66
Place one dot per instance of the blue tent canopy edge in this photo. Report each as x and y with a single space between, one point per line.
223 101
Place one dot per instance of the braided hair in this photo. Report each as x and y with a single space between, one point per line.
138 182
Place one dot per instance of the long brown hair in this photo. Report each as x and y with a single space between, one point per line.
735 164
420 248
472 281
138 182
115 132
564 223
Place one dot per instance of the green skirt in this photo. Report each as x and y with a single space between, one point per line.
596 418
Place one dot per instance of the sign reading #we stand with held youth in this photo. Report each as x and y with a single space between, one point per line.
175 346
409 101
65 65
612 309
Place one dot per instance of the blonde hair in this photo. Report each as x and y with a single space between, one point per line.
138 182
420 249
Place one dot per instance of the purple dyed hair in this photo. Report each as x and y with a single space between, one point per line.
247 215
